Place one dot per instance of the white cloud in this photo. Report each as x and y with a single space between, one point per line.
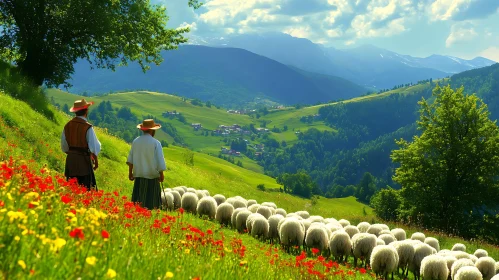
461 32
491 53
446 9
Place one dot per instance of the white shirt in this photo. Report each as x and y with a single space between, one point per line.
93 143
147 157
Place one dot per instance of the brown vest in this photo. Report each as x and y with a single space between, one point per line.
78 159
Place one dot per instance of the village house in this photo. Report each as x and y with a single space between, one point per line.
196 126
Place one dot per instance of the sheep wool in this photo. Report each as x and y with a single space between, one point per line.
206 192
270 204
207 206
421 250
253 207
176 199
180 190
238 203
450 261
434 267
497 267
387 238
316 219
363 226
273 223
459 247
399 234
200 194
363 245
487 267
468 273
264 211
234 215
317 237
192 190
374 229
340 245
219 199
189 202
281 211
184 188
241 218
291 232
481 253
380 242
405 251
495 277
433 242
251 202
260 227
458 265
418 236
384 260
224 213
385 231
344 222
351 230
167 197
303 214
249 221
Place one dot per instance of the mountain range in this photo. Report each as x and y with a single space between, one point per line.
365 65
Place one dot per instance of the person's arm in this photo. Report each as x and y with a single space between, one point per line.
64 143
130 165
94 146
160 160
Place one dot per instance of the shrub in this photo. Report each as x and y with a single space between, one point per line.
261 187
386 204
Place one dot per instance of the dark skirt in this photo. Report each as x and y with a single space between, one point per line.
147 192
88 181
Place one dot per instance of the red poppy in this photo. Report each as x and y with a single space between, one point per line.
105 234
181 210
209 231
362 271
315 251
66 199
77 233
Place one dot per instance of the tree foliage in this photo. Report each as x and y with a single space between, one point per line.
46 37
386 204
449 173
298 184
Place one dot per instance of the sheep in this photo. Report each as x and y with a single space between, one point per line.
306 224
468 273
316 219
249 221
481 253
251 202
380 242
333 227
253 207
384 260
260 227
458 265
264 211
168 199
385 231
497 267
224 213
176 199
303 214
200 194
219 199
406 252
362 246
473 258
340 245
434 267
351 230
363 226
317 237
207 206
388 238
450 260
344 222
192 190
180 190
433 242
399 234
418 236
234 215
189 202
291 233
374 229
167 189
421 250
206 192
459 247
270 204
184 188
330 220
273 222
238 203
487 267
383 226
495 277
241 218
281 211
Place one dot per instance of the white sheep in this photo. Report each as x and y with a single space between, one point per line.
384 260
251 202
473 258
281 211
316 219
303 214
481 253
176 199
362 246
363 226
184 188
207 206
260 227
458 265
418 236
375 229
249 221
270 204
264 211
241 218
317 237
253 207
450 261
344 222
168 199
487 267
273 223
388 238
459 247
421 250
340 245
180 190
468 273
200 194
461 255
206 192
192 190
234 215
399 234
434 267
433 242
380 242
224 213
238 203
386 231
351 230
306 223
219 199
189 202
495 277
291 233
497 267
406 252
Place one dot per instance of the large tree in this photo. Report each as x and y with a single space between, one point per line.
449 174
46 37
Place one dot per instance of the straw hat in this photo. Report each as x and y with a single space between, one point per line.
148 124
80 105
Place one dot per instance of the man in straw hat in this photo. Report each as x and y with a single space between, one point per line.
146 164
79 142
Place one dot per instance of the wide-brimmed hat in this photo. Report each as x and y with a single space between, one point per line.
80 105
148 124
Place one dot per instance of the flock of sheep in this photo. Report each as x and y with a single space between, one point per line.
386 251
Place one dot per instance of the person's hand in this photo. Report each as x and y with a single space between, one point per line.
161 177
95 160
130 176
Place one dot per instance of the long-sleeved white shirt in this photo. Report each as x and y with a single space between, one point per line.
93 143
147 157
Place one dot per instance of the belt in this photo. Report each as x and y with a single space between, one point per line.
83 151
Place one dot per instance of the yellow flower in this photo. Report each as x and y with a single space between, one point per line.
17 238
169 275
111 273
91 260
14 215
25 232
22 264
187 251
54 230
243 262
57 244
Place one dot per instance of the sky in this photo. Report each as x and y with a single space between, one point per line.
462 28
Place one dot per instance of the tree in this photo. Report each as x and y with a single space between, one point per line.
46 37
449 173
366 188
386 204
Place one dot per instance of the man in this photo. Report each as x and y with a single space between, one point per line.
79 142
146 164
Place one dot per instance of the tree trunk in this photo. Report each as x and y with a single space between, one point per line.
31 67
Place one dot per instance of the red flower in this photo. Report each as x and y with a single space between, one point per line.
209 231
128 215
315 251
2 204
105 234
66 199
77 233
181 210
362 271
